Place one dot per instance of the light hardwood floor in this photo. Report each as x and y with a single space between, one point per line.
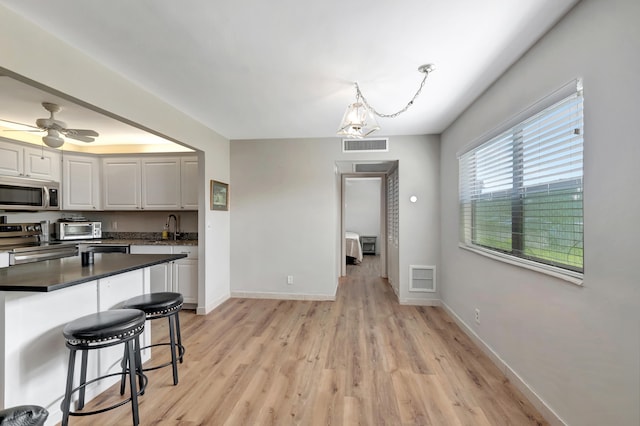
361 360
369 267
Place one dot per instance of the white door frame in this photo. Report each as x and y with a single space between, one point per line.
383 219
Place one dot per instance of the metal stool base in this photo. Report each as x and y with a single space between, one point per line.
139 374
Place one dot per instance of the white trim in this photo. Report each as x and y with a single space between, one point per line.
212 305
420 302
547 412
566 90
563 274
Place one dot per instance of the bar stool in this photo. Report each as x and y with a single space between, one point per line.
101 330
156 306
23 415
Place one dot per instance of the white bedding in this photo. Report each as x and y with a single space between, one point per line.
352 246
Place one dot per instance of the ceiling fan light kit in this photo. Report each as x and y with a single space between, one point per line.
53 139
56 128
359 118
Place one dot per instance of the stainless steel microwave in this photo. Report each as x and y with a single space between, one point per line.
77 230
18 193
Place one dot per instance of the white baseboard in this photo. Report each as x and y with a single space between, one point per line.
282 296
211 305
546 411
420 302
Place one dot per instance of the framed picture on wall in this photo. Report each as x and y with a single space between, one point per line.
219 195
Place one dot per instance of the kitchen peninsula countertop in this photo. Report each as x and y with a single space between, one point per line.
141 242
51 275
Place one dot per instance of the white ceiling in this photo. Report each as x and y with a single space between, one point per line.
22 103
285 68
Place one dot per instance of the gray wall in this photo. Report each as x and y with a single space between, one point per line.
286 214
577 348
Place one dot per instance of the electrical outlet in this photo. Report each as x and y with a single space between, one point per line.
478 315
289 279
114 225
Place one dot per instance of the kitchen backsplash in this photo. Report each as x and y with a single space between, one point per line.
154 236
148 222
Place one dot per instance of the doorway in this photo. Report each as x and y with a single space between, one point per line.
364 224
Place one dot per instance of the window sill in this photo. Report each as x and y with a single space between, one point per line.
575 278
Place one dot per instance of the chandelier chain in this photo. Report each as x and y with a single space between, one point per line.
359 95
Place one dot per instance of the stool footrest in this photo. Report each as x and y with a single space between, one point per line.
181 351
111 407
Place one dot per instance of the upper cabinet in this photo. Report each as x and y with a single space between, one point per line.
161 183
80 182
121 183
37 163
94 182
149 183
189 183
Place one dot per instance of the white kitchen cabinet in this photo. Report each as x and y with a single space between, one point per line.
42 164
80 182
180 276
161 275
38 163
150 183
11 159
185 274
160 183
121 187
189 183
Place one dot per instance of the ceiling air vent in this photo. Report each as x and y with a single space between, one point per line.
365 145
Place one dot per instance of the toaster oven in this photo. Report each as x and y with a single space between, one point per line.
69 230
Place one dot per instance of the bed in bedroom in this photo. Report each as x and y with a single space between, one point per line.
353 248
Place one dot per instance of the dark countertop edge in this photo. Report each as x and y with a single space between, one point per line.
138 242
166 258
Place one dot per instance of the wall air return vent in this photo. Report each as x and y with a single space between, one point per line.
365 145
422 278
382 167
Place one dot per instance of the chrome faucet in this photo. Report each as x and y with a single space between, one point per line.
175 229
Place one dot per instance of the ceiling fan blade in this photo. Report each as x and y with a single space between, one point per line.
80 132
82 138
19 124
50 123
18 130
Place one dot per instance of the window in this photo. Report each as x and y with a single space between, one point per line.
521 191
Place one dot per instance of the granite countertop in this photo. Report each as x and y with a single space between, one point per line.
51 275
140 242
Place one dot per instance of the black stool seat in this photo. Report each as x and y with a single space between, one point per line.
97 331
104 326
156 304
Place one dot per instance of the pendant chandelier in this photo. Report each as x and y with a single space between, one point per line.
359 119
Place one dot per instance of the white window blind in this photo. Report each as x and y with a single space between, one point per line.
521 191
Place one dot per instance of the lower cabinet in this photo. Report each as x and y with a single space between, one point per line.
180 276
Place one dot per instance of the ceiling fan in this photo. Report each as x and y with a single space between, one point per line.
56 128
